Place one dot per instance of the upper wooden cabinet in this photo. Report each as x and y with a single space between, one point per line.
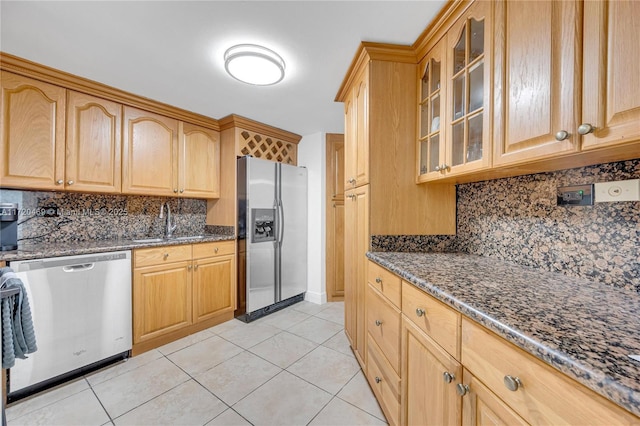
537 70
165 157
454 96
357 153
149 153
611 73
93 144
199 161
32 124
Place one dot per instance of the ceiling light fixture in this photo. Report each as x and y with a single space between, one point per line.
254 64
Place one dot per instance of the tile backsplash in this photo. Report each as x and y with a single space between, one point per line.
517 219
68 217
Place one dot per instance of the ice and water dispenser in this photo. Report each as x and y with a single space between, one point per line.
263 225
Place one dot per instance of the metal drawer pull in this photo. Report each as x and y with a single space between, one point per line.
448 377
378 323
462 389
420 312
378 379
512 383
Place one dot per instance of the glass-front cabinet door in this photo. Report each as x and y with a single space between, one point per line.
431 138
469 82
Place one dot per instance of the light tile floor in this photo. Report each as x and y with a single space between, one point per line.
293 367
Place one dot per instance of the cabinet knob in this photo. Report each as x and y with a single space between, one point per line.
448 377
585 129
462 389
378 323
512 383
352 196
181 191
420 312
70 182
175 190
562 135
378 379
352 181
166 255
378 280
195 267
189 268
215 250
437 168
59 182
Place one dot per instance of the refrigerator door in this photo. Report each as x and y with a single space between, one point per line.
292 237
259 206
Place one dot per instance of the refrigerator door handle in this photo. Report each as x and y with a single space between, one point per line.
281 212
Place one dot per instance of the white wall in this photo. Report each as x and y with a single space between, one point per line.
312 155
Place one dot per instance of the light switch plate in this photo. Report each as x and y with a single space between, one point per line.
622 190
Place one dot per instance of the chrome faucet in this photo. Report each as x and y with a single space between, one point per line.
169 226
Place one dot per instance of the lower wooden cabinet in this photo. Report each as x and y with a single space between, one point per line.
179 290
430 375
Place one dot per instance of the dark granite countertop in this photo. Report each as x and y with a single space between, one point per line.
583 328
42 250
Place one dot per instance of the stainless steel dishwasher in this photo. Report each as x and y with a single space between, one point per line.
81 307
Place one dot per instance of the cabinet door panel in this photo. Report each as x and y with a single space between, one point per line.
349 142
93 144
149 153
362 130
611 77
32 140
536 79
214 287
199 168
428 399
335 250
161 300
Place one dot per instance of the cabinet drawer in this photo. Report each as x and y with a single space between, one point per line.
161 255
544 395
384 382
216 248
435 318
385 282
383 325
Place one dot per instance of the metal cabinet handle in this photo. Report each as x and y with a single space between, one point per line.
189 268
70 182
378 379
378 323
215 250
181 191
59 182
378 280
512 383
437 168
462 389
352 196
585 129
175 190
448 377
166 255
420 312
562 135
195 267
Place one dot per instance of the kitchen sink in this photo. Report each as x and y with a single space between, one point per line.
148 240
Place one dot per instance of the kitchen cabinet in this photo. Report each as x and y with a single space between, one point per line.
429 377
32 127
480 406
356 165
335 216
610 74
454 98
166 157
356 244
179 290
535 391
198 161
93 159
537 78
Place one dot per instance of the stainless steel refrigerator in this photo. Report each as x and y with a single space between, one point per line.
272 236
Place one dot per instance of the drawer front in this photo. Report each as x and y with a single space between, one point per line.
439 321
216 248
385 282
384 382
543 395
161 255
383 325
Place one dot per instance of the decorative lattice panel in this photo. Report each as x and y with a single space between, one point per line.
268 148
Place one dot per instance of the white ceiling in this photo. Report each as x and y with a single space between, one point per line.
171 51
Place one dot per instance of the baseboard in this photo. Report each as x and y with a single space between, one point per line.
317 298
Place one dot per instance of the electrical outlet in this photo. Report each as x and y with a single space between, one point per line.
622 190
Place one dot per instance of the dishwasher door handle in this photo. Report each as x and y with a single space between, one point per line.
78 268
